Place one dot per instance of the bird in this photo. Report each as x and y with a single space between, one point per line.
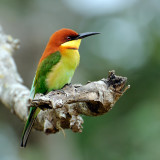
55 69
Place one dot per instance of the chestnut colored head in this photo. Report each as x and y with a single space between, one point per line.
61 37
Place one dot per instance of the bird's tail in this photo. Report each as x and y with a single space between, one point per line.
28 126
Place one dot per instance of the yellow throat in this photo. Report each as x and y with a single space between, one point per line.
71 44
62 73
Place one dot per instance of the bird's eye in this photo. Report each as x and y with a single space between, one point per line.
68 38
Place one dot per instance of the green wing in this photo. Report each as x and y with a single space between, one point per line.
42 71
39 86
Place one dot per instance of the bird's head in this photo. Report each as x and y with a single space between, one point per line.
68 39
64 39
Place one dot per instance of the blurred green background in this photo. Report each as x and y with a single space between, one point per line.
129 43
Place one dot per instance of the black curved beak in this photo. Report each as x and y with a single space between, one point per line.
86 34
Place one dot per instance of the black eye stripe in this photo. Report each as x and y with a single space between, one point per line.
70 38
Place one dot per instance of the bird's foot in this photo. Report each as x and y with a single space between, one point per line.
67 85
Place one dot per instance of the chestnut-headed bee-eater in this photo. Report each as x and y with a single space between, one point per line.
55 69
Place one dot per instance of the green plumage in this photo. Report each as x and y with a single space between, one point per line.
39 86
44 68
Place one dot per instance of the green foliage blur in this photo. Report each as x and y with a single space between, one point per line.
129 43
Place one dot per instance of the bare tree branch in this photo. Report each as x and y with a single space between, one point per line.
63 108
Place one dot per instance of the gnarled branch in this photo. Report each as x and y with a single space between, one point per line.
63 108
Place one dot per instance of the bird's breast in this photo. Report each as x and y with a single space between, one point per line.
63 71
